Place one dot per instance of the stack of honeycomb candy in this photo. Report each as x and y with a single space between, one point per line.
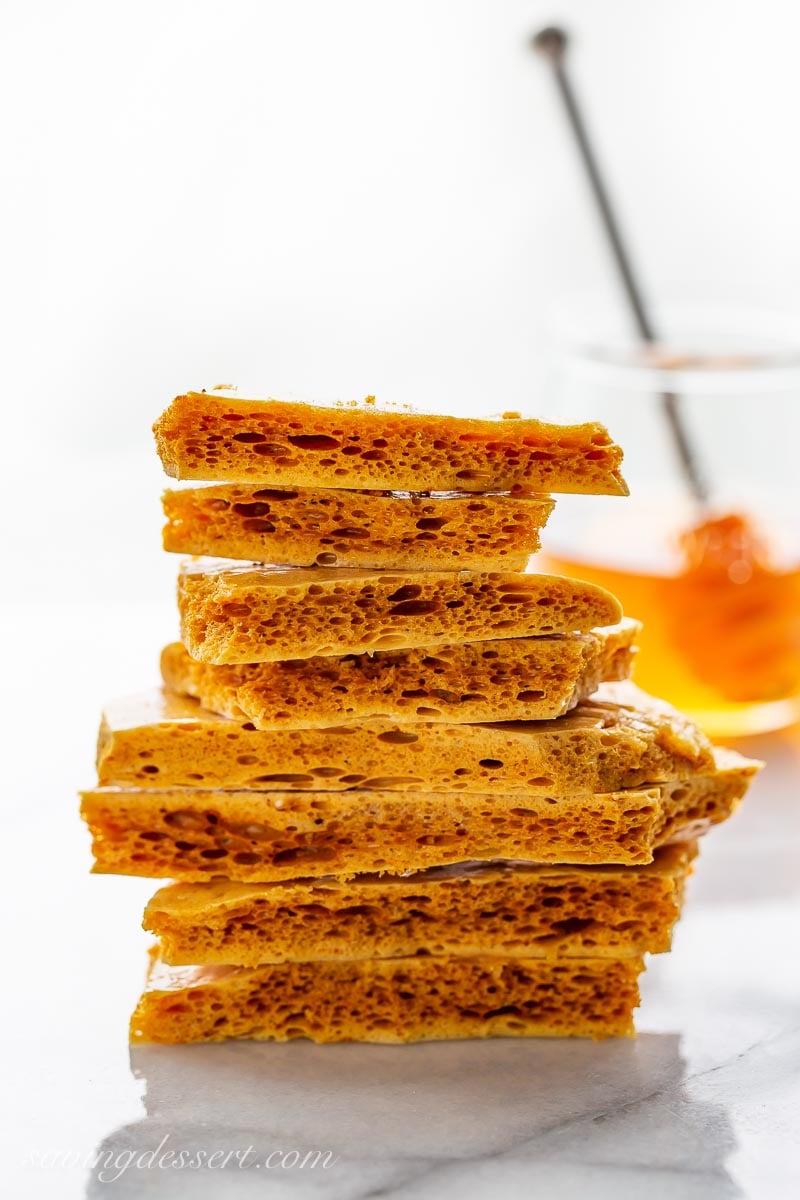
405 789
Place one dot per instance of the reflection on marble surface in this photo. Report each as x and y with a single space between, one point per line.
709 1113
449 1119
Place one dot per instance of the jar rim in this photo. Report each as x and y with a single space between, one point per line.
709 348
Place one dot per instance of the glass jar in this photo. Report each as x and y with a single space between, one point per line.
716 583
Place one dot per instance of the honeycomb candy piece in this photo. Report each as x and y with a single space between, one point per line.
619 738
218 437
390 1000
506 909
261 837
510 679
301 527
237 613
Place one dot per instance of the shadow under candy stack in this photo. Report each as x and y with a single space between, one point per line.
404 788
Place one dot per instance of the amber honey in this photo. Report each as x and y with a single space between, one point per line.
721 637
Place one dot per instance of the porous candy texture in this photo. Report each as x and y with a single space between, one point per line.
212 437
486 909
619 738
510 679
303 527
236 613
262 837
390 1000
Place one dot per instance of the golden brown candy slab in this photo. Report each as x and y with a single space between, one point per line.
510 679
239 613
501 908
390 1000
211 436
329 527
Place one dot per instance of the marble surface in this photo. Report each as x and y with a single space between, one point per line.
704 1104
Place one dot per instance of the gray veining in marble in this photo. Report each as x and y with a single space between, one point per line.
534 1117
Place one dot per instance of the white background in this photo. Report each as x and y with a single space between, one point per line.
337 197
325 198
